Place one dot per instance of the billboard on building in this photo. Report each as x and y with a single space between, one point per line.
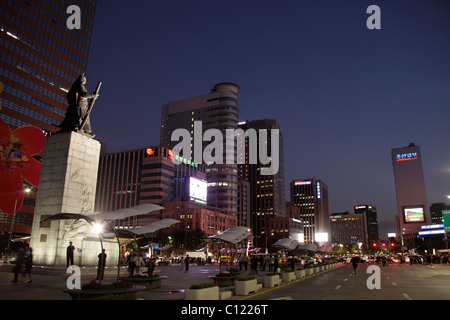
198 190
413 215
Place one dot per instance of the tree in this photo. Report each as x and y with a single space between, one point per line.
195 239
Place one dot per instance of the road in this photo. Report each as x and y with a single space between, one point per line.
397 282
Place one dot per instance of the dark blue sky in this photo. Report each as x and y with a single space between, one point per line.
344 95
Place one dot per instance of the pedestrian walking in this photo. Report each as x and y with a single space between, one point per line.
150 267
186 262
354 263
271 262
101 265
245 262
20 261
138 261
254 265
69 254
28 264
131 262
275 264
292 263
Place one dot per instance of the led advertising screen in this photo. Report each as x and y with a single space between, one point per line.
413 214
197 189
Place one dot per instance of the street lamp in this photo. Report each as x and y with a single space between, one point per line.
14 216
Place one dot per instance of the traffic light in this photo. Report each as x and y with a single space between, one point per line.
383 244
374 245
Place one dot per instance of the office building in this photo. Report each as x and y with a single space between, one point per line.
193 216
127 179
349 229
267 192
311 196
216 110
40 58
371 218
413 211
436 212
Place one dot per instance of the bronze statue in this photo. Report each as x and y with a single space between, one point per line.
77 114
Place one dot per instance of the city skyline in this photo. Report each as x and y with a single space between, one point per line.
344 95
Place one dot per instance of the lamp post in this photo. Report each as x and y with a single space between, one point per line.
8 249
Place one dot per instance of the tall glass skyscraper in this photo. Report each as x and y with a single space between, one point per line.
267 192
40 58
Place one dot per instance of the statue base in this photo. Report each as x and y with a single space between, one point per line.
67 184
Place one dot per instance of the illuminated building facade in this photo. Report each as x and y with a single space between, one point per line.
267 192
349 229
371 218
413 211
311 196
39 60
127 179
197 216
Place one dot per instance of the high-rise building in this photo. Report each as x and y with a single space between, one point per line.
40 58
412 204
218 111
267 192
371 218
311 196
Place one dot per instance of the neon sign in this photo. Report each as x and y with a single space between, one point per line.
406 156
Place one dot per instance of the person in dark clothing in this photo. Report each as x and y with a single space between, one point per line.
275 264
20 262
186 263
131 262
28 264
150 267
101 265
69 254
354 263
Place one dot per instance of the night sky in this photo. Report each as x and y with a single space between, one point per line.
344 95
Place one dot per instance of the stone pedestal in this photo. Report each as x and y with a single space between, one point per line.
68 184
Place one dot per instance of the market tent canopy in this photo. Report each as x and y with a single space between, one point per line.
125 213
101 218
324 249
309 247
287 243
152 227
233 235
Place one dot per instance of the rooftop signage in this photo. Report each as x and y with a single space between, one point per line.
406 156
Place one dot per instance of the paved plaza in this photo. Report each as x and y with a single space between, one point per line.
398 282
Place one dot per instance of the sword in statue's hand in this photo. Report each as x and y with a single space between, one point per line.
91 105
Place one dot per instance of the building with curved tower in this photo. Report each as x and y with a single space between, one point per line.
216 110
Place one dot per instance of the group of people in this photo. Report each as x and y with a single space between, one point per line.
135 261
256 261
